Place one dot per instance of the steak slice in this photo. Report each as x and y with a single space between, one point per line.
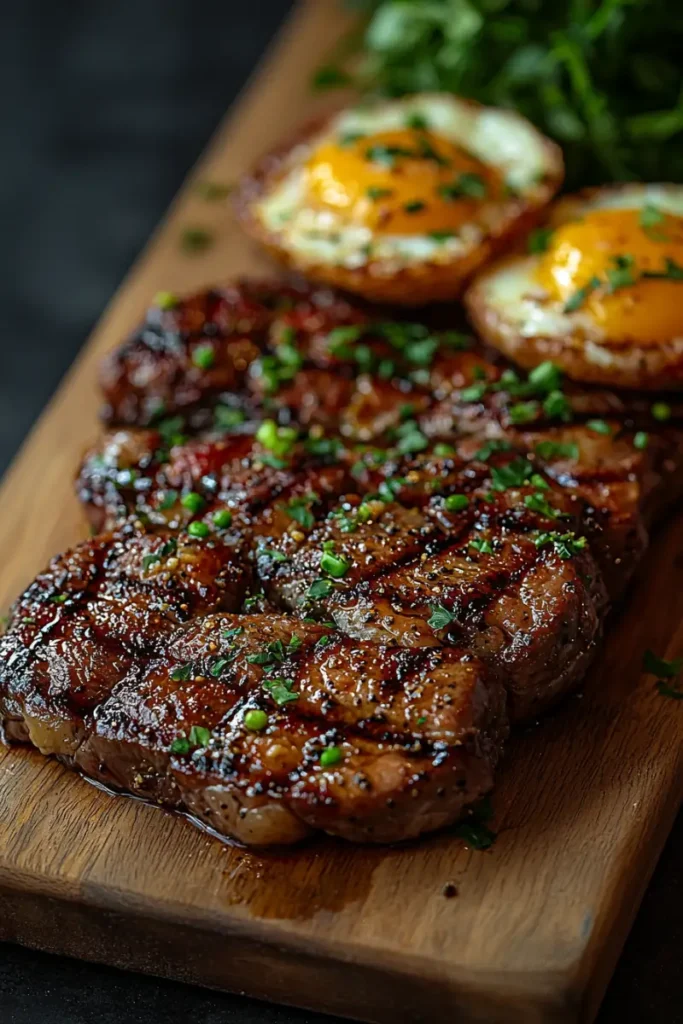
364 741
97 613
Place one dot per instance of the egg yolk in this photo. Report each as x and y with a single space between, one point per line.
403 182
622 267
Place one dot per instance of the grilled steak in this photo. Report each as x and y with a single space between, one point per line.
339 555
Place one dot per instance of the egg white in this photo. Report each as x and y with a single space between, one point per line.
498 138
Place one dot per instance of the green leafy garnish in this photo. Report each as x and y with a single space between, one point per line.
212 191
650 218
664 670
375 192
566 544
622 274
273 554
281 690
549 450
513 474
577 300
539 240
660 666
599 427
601 78
299 509
440 617
467 185
484 547
319 589
182 673
195 240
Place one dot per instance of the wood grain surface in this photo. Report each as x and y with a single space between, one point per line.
583 805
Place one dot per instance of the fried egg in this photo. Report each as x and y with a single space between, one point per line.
402 200
599 290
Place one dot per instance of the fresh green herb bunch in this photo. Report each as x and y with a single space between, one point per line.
602 77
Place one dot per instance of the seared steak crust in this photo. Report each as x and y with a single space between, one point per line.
338 556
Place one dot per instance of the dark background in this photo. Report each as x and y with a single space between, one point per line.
107 104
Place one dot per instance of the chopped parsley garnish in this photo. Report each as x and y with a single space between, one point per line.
473 393
456 502
599 427
484 547
230 634
273 554
465 186
165 300
666 671
440 617
641 440
319 589
212 191
441 236
199 736
168 548
180 745
333 565
204 356
539 503
167 499
282 365
347 139
414 206
539 240
673 271
524 412
194 240
198 530
219 666
490 448
171 430
577 300
278 440
557 407
389 489
225 418
330 756
417 121
387 155
546 377
513 474
376 192
566 544
193 502
410 438
550 450
660 666
281 690
299 509
182 673
650 218
476 834
621 275
661 411
323 447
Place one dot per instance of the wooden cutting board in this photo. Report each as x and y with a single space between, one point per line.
584 802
